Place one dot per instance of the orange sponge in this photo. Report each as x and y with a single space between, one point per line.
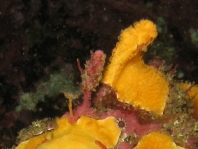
135 82
157 140
85 133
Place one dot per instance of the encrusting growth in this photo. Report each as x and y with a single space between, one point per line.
192 91
135 82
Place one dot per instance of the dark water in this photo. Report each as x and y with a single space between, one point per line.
40 41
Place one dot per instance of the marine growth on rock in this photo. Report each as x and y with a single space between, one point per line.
129 105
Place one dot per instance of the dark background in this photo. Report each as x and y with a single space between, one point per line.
39 37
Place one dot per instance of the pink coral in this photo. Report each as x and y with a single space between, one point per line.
90 80
93 70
